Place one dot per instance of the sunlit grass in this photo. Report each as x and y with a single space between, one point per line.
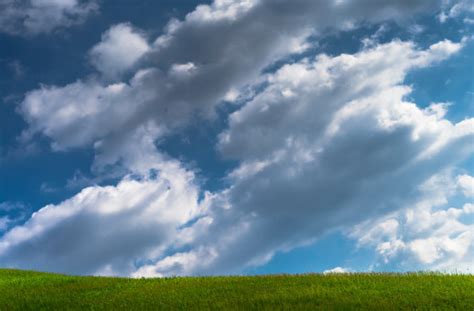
22 290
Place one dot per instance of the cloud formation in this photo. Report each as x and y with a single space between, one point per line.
336 270
121 47
330 142
324 143
110 230
192 67
454 9
32 17
431 235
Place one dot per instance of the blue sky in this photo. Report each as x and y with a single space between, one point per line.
236 136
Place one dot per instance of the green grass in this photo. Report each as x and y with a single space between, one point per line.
23 290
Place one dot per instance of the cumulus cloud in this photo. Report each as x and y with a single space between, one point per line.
81 113
431 235
294 89
336 270
325 143
330 142
42 16
194 65
109 229
121 47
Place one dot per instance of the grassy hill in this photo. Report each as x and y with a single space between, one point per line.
23 290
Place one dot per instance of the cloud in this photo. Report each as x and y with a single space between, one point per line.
324 144
11 214
337 270
330 142
466 184
109 229
431 235
121 47
277 113
217 50
81 113
4 223
32 17
454 9
178 264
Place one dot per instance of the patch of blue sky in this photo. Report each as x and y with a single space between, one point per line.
330 251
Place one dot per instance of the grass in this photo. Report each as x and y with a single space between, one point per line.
24 290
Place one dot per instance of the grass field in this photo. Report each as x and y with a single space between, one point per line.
22 290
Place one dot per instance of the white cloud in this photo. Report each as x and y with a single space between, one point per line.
83 112
330 142
428 236
121 47
33 17
337 270
314 83
221 10
194 65
466 183
109 229
178 264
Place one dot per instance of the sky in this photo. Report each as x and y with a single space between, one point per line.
161 138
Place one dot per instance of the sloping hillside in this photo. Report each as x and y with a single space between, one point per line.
23 290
